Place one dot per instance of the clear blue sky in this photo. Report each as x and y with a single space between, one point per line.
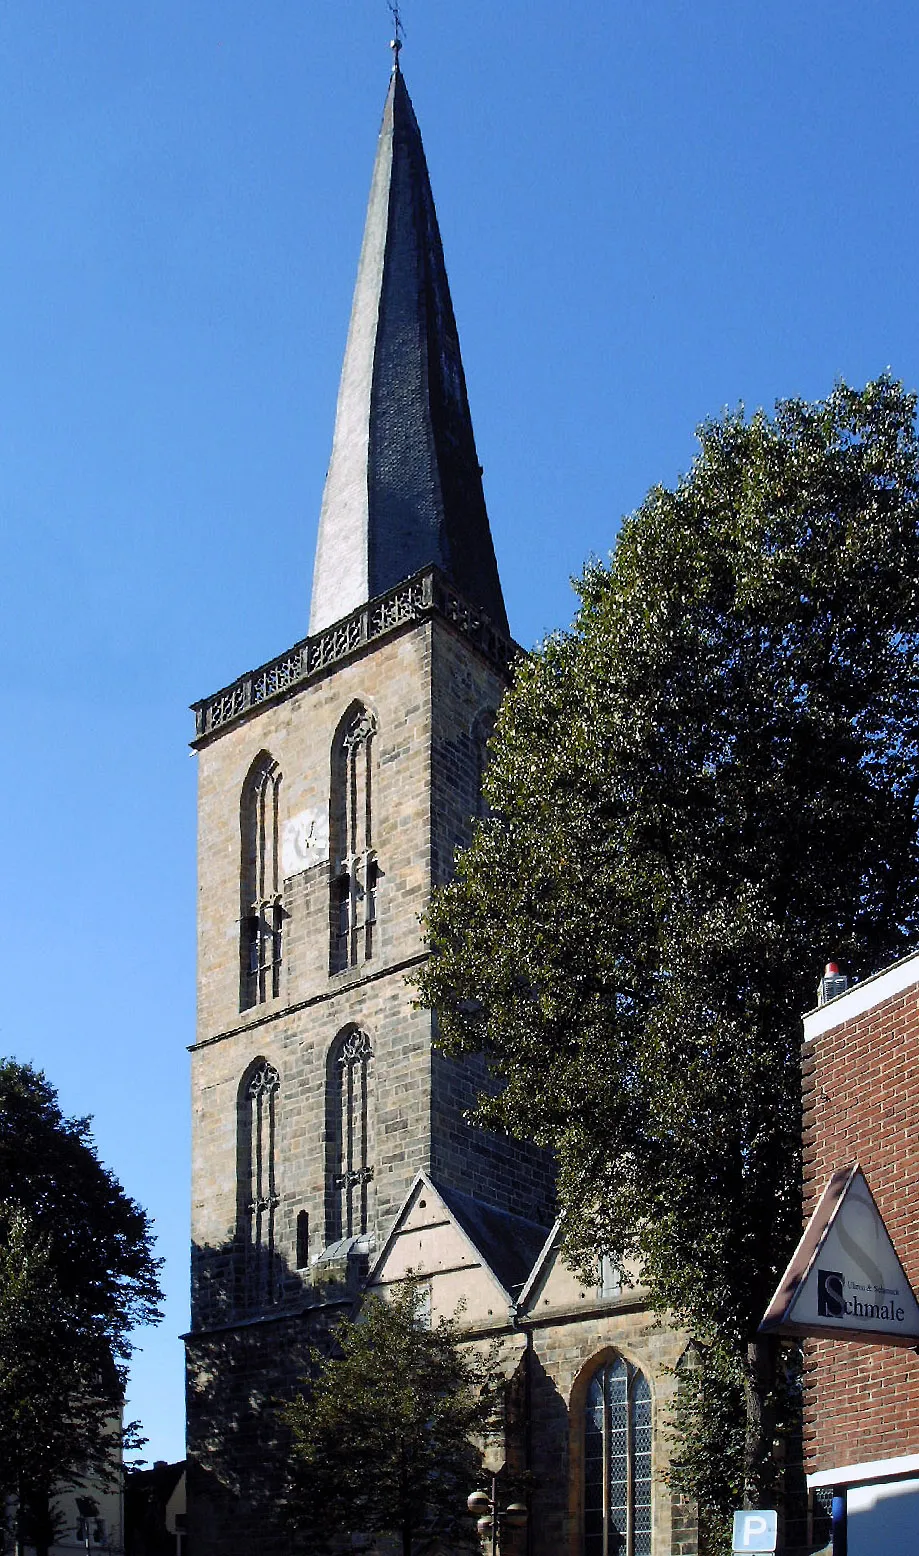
649 212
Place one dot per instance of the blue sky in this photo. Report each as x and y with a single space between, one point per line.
649 212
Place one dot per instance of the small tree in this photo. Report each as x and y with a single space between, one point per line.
383 1436
77 1272
700 793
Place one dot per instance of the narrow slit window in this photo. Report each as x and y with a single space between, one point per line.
303 1240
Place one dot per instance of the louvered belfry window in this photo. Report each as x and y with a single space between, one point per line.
262 910
617 1462
354 880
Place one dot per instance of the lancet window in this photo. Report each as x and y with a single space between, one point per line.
354 881
349 1170
258 1194
617 1462
262 912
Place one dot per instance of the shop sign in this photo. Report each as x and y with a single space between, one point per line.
845 1277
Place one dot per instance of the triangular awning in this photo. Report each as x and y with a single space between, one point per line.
845 1278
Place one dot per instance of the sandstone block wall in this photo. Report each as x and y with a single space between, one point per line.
566 1350
426 687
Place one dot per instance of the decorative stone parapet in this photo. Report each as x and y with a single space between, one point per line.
426 594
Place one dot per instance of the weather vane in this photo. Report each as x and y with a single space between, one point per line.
398 31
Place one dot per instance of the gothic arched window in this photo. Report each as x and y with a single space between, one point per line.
260 885
617 1462
257 1195
354 863
348 1126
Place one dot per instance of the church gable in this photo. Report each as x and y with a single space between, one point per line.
554 1287
454 1245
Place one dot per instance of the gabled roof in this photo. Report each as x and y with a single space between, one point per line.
508 1244
505 1245
404 486
543 1261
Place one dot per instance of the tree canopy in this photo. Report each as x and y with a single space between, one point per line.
383 1434
699 793
77 1273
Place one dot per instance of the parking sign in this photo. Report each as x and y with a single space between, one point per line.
754 1530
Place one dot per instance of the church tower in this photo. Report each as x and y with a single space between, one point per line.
335 784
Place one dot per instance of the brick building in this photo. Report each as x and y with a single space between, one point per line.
861 1104
330 1141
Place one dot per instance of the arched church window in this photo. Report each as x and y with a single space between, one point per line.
348 1124
354 874
262 912
258 1197
617 1462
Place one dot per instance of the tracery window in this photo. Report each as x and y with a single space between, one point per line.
348 1122
617 1462
262 912
355 869
258 1194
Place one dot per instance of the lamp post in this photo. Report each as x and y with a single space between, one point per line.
492 1518
90 1527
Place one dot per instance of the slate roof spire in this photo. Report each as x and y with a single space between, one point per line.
404 486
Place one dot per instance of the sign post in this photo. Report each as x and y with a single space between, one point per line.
755 1530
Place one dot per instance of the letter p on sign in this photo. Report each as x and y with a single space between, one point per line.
754 1531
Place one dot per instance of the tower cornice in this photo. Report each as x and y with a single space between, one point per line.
428 594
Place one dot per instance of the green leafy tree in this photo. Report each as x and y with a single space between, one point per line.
77 1273
383 1438
699 793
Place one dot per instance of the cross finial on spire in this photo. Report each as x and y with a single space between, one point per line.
398 34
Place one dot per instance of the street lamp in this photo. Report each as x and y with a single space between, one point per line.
90 1527
492 1518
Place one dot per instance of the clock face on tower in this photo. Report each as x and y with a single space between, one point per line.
305 841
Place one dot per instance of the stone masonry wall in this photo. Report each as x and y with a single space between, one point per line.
861 1103
244 1350
235 1382
465 696
566 1350
425 784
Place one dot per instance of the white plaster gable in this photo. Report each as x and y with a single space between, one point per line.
553 1286
429 1243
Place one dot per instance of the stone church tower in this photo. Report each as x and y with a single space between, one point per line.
331 1152
335 784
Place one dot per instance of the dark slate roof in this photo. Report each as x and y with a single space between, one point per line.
404 487
508 1244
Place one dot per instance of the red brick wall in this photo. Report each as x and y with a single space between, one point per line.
861 1103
